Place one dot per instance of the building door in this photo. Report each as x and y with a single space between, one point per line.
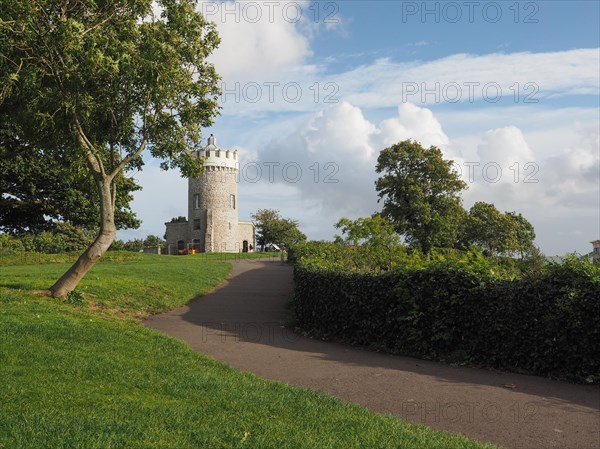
245 246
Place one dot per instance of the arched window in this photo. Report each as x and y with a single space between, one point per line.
232 200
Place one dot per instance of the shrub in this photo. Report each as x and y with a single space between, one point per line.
459 307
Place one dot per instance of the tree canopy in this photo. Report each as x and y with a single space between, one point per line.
421 194
38 193
497 233
98 83
375 232
271 227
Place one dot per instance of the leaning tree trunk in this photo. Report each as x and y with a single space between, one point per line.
106 236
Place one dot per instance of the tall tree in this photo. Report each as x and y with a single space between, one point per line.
103 81
421 194
273 228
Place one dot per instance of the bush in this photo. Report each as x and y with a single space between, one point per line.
64 238
10 244
458 308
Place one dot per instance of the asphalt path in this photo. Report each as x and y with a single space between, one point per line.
243 323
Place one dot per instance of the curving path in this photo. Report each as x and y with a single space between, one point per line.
242 324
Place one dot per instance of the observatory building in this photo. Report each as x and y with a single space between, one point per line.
212 223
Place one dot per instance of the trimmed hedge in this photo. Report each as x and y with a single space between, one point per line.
546 324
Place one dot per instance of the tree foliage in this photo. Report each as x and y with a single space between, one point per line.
376 232
153 240
273 228
63 238
497 233
38 193
179 219
421 194
97 83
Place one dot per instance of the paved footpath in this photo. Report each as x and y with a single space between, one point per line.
242 324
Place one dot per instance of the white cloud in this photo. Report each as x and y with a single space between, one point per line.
337 149
504 156
413 122
469 78
258 39
523 79
572 178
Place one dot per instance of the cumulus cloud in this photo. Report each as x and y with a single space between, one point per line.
336 150
559 192
413 122
572 178
540 181
258 39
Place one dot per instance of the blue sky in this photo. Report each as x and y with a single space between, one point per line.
512 96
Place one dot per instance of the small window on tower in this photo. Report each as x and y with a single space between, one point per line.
196 201
196 223
232 200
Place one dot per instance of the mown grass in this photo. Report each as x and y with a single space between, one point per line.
83 377
131 285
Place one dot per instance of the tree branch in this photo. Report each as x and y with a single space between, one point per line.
99 24
90 151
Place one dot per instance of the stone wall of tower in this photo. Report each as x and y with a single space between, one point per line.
212 213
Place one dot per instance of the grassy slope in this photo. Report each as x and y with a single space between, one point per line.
83 377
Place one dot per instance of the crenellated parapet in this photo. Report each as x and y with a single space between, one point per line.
216 158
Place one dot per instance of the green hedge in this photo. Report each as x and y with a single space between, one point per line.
546 324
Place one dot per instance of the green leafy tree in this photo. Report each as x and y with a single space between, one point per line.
38 193
272 228
375 232
135 245
153 240
10 244
100 82
487 227
497 233
117 245
523 236
421 194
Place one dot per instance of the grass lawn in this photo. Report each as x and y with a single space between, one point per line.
90 376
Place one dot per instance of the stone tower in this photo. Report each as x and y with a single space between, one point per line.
212 198
212 224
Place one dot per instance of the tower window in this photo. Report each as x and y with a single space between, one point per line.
196 201
232 200
196 223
